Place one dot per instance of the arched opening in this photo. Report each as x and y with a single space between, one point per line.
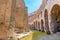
31 26
55 18
34 25
39 26
42 27
46 22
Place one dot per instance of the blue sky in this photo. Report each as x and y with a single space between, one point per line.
32 5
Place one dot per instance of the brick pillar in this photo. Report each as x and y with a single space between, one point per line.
5 14
21 17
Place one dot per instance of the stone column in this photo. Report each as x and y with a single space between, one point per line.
51 25
12 20
21 17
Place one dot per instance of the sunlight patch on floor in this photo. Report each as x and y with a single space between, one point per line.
28 37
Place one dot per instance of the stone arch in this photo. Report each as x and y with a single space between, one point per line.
55 18
46 21
42 27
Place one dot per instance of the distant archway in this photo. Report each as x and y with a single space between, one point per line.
55 18
46 21
38 25
42 27
34 25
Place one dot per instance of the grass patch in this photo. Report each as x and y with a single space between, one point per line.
37 34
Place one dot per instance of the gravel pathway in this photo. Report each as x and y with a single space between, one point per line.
50 37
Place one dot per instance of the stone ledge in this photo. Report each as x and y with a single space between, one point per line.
19 36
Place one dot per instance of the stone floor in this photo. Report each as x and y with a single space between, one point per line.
51 37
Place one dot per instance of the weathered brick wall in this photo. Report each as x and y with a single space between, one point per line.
21 21
13 14
5 14
21 17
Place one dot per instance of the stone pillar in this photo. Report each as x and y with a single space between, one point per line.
21 17
5 13
51 25
25 19
12 20
46 22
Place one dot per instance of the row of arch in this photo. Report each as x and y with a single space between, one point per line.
55 20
